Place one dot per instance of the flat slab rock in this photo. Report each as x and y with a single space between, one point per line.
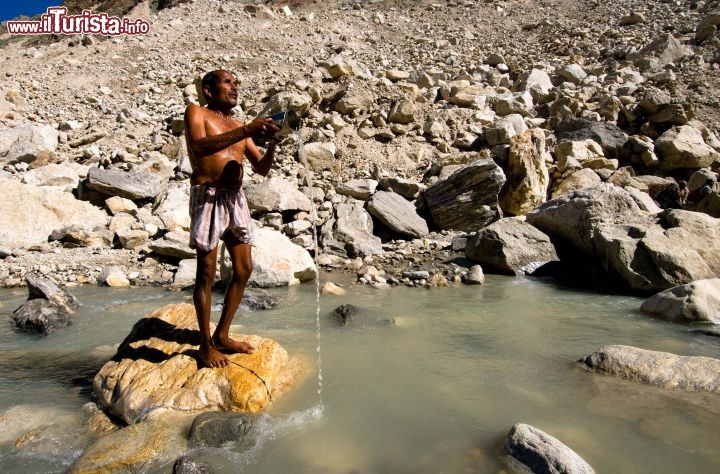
156 369
662 369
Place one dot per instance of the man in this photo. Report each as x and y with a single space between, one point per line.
217 146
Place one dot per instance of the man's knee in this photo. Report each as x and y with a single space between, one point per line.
242 270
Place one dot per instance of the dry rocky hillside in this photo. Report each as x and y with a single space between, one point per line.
423 124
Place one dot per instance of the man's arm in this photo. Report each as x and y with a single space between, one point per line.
201 145
261 163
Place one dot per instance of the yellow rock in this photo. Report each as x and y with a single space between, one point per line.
156 369
330 288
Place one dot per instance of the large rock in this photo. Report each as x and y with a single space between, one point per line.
397 213
468 199
141 185
660 52
539 452
610 137
218 429
276 261
29 215
26 141
173 206
505 128
358 188
649 253
63 174
276 195
698 301
318 156
354 227
510 246
662 369
527 174
580 179
155 370
683 147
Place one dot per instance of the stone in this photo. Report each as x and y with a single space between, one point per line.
131 238
155 371
526 173
397 213
468 199
539 452
172 206
405 187
30 214
683 147
220 429
40 316
661 369
339 66
511 246
698 301
141 185
45 288
660 52
537 82
581 179
185 274
345 313
504 129
114 277
353 228
173 244
707 26
402 112
475 276
24 142
276 195
117 204
319 156
573 73
276 261
330 288
610 137
360 189
54 174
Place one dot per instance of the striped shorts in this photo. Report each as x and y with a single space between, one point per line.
218 213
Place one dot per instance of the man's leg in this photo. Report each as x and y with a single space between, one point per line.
241 258
202 297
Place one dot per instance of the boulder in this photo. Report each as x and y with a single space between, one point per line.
173 206
141 185
698 301
474 276
360 189
397 213
173 244
526 173
30 214
276 195
683 147
156 371
25 142
580 179
318 156
354 227
504 129
40 316
709 205
345 313
660 52
218 429
62 174
276 261
510 246
539 452
649 253
662 369
610 137
405 187
468 199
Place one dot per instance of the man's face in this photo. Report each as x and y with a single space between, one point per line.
224 91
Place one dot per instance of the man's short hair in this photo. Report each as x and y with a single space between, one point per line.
210 79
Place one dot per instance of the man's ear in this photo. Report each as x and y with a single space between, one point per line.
202 98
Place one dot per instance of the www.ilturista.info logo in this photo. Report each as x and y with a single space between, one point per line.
57 21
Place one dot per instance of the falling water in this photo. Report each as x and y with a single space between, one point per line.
313 219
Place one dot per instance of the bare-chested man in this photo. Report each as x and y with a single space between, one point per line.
218 145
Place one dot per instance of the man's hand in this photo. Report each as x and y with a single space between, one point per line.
263 128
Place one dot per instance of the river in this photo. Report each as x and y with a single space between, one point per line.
421 381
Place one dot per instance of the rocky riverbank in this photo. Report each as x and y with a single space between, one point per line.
425 141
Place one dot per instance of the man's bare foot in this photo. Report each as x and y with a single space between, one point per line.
212 358
230 345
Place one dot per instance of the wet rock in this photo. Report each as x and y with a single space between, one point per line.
141 185
468 199
397 213
185 465
258 299
330 288
698 301
511 246
662 369
155 371
40 316
218 430
539 452
345 313
475 276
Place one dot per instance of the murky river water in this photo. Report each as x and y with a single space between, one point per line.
435 391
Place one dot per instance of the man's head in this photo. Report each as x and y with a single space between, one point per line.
220 89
